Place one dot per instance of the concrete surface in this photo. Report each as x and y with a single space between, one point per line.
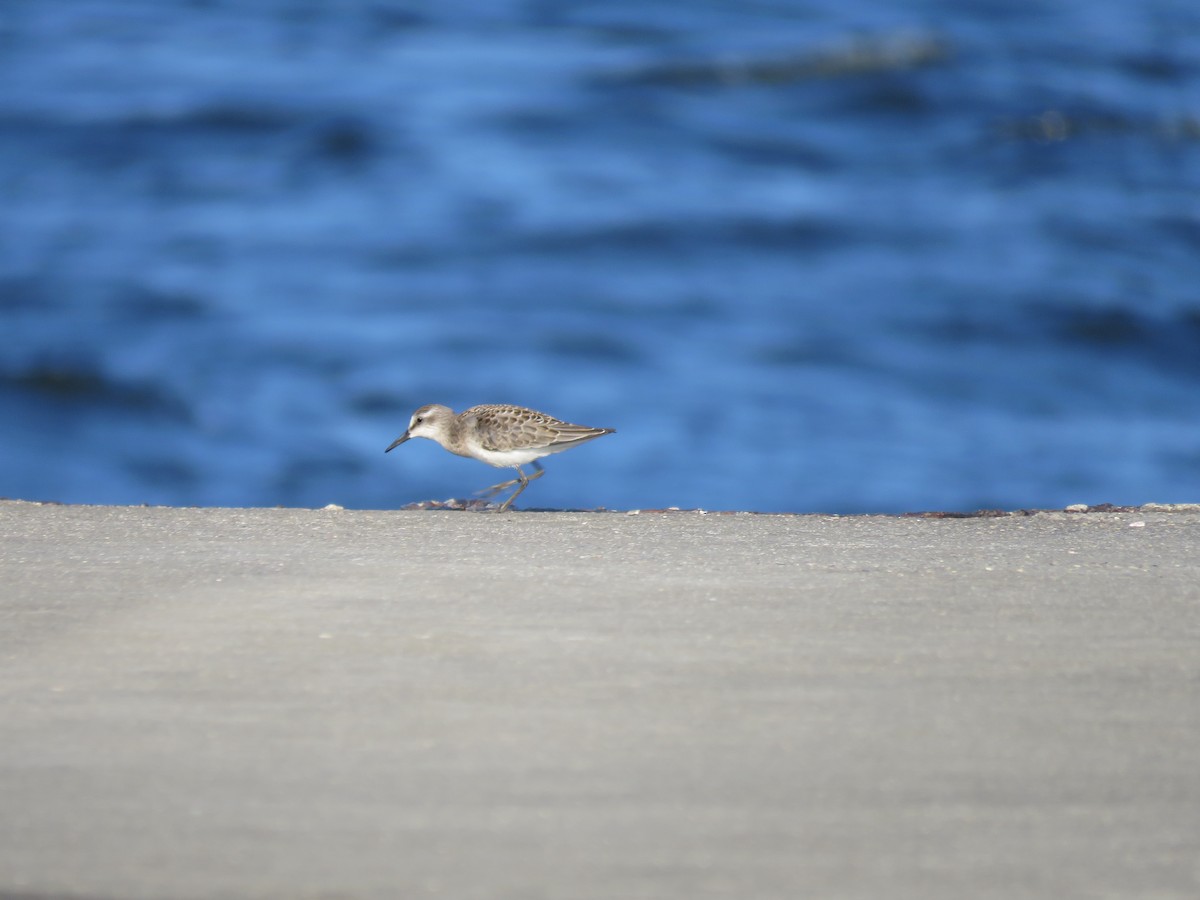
271 703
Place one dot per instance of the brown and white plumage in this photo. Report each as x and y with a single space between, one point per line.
499 435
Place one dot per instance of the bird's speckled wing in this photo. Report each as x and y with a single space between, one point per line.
502 428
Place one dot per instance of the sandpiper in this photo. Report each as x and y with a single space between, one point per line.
501 436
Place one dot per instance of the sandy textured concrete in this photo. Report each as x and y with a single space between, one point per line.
213 703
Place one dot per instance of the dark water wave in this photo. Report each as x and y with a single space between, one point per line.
861 55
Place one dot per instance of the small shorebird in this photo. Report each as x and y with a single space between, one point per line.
501 436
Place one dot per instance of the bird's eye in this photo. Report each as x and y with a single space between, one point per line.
418 420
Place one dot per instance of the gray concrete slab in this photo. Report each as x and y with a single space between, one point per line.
200 703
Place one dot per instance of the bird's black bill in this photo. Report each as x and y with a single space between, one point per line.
397 442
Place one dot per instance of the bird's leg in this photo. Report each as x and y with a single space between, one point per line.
524 483
487 493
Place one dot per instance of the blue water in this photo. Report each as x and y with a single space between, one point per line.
861 256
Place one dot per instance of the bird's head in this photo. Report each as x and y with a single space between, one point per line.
432 421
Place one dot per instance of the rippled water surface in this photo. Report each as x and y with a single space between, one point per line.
810 257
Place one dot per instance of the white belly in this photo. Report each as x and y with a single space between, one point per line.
508 458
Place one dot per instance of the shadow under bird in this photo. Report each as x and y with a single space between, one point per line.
501 436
